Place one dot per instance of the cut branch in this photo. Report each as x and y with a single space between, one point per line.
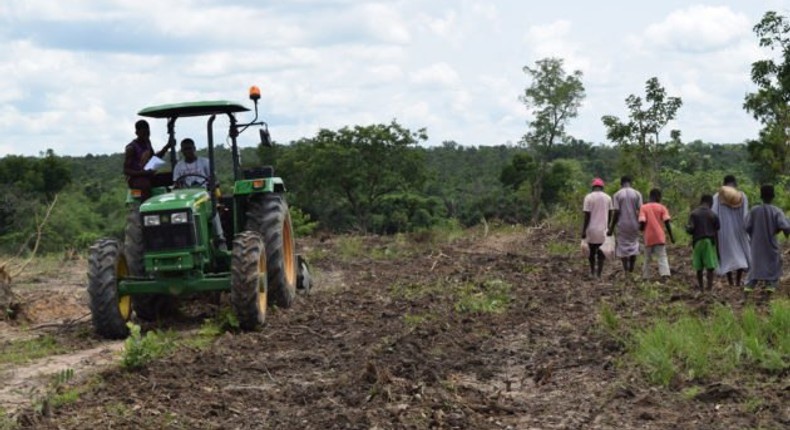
39 231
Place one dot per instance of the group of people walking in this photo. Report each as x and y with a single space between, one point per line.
727 237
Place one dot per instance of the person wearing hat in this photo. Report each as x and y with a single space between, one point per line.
732 206
597 209
653 218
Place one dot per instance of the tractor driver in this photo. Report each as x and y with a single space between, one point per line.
194 171
138 152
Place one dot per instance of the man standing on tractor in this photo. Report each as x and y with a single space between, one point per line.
194 171
138 152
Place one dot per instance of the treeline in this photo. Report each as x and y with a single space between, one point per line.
373 179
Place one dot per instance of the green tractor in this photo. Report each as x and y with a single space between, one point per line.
170 247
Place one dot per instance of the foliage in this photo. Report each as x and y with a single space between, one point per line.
302 222
553 99
697 348
346 176
770 104
140 350
639 137
7 422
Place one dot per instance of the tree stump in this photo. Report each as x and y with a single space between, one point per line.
8 300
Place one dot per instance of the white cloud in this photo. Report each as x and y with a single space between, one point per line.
436 74
76 73
698 29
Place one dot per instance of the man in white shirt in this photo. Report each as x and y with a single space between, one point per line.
194 171
191 170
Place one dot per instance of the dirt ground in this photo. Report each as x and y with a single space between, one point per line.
379 344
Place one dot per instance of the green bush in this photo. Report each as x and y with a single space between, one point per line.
140 350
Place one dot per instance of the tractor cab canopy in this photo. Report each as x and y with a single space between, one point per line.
175 110
172 112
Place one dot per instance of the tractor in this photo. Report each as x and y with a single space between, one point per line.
170 247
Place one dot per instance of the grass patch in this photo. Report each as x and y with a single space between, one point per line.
491 296
609 319
212 328
350 248
413 291
444 232
6 422
698 348
140 350
23 351
416 320
562 248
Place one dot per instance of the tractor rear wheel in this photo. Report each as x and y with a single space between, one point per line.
109 311
248 280
268 215
147 307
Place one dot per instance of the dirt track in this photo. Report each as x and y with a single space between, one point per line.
370 350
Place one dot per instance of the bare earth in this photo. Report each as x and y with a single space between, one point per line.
358 353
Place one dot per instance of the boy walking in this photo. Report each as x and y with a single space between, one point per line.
653 217
703 226
762 224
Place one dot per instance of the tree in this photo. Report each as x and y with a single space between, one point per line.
344 176
640 136
769 105
553 99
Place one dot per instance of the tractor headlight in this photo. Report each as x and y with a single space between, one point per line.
151 220
179 218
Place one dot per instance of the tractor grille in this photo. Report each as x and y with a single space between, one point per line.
166 237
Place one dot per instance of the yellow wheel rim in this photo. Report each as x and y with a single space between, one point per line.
124 302
288 252
125 306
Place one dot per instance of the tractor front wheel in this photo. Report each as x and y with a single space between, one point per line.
109 310
248 280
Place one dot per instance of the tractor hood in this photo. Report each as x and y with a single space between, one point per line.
176 199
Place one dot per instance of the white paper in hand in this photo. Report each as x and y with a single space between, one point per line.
154 163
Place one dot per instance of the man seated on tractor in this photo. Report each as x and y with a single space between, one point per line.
138 152
193 171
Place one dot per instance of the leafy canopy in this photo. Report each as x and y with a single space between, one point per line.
769 104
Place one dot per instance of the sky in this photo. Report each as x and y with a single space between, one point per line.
74 73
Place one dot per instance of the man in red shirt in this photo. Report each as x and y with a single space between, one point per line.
653 217
137 154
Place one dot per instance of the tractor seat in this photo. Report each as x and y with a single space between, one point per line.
259 172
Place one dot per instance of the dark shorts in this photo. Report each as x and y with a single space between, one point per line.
704 256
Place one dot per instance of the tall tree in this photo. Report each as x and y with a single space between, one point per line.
352 171
769 105
647 117
553 99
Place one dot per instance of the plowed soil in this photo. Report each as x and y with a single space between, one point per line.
381 343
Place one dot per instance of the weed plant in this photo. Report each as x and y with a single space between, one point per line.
6 422
491 296
700 348
140 350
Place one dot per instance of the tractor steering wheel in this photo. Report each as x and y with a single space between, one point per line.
181 182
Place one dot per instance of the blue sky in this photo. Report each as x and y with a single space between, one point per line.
74 73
